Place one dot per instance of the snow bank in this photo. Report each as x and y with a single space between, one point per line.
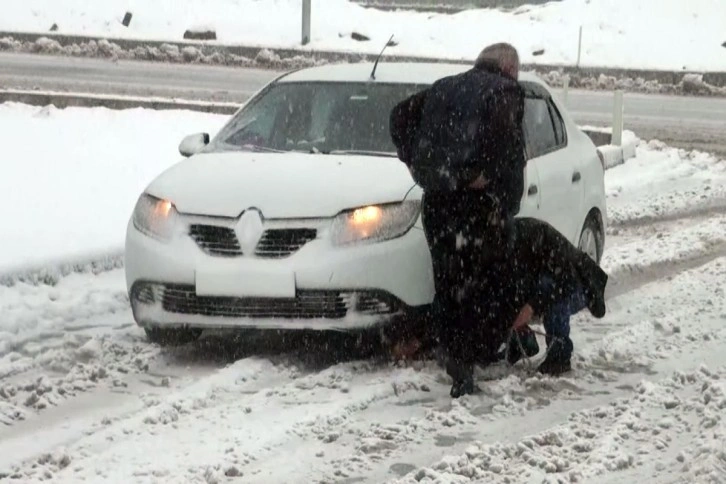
71 177
649 34
664 182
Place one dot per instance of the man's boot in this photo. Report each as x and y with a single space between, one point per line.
557 360
463 376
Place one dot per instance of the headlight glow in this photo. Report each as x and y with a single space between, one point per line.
366 215
155 217
375 223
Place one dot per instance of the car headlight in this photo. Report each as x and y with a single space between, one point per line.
375 223
155 217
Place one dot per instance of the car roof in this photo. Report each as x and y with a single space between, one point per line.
387 72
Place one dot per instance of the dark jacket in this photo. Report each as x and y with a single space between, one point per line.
540 250
493 147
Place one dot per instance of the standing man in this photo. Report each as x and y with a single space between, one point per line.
462 141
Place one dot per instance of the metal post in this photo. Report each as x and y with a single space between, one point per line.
306 8
579 47
565 88
618 123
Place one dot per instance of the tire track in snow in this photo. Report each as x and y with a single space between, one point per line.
665 251
712 207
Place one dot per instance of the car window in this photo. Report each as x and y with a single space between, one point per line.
559 123
538 127
317 116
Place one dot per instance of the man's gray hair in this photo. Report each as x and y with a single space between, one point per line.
502 55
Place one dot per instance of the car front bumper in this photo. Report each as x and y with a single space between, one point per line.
335 288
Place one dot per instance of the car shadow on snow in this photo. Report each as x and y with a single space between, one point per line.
313 350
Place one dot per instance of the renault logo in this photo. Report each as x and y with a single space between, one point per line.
249 230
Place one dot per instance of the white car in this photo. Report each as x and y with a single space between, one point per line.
298 215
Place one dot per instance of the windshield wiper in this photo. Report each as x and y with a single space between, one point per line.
387 154
261 149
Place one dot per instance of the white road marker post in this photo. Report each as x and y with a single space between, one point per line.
618 122
565 88
579 47
306 14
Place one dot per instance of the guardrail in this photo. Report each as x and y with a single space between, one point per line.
447 5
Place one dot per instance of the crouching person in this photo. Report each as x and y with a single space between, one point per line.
562 282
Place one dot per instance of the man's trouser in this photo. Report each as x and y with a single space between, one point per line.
556 319
476 297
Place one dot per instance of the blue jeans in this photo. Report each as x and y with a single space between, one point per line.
557 320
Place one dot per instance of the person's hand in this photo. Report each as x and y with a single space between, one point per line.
524 317
479 183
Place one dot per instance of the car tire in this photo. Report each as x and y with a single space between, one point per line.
172 336
591 239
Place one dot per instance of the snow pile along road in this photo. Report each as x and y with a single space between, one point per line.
71 177
649 34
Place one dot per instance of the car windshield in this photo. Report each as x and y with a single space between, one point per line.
317 117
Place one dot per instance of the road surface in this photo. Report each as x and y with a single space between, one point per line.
688 122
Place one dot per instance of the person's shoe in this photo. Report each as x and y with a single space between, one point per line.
463 376
464 387
554 367
596 304
528 341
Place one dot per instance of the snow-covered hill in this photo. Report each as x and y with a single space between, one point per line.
653 34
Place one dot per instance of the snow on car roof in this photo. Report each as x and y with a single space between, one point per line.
387 72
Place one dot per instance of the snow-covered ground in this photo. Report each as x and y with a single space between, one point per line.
67 167
83 397
655 34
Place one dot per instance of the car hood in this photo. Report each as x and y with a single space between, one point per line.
281 185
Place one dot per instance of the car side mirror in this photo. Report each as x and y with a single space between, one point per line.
193 144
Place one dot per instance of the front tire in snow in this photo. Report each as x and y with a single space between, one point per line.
591 238
172 336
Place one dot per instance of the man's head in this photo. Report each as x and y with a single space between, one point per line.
502 55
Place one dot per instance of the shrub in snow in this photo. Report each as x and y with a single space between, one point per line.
8 43
693 84
109 49
44 45
266 56
171 52
191 54
606 82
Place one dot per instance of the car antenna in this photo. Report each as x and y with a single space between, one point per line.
375 66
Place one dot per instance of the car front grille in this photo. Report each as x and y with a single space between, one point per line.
278 243
274 244
216 240
182 299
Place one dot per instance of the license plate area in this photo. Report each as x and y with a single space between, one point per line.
249 279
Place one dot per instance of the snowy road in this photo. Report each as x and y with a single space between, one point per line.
691 123
83 397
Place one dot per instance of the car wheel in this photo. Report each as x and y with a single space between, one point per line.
591 239
172 336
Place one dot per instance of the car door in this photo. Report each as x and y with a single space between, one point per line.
530 204
560 179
